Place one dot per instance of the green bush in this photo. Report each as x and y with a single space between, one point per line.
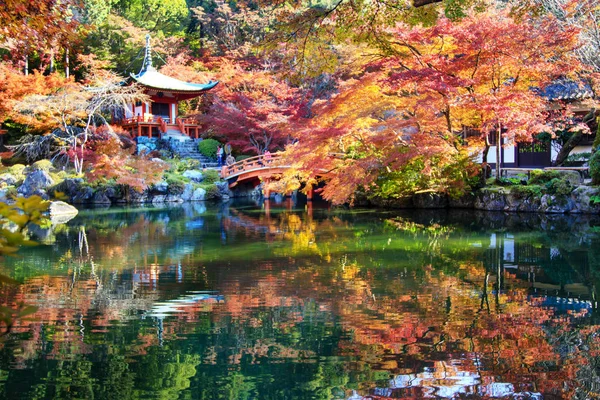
541 177
242 157
577 159
17 171
42 165
210 176
176 183
182 165
208 148
595 167
559 187
524 192
212 191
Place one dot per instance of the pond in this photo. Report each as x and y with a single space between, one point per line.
296 301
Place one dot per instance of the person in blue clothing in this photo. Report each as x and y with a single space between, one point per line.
219 156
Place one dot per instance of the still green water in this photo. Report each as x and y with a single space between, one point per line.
237 302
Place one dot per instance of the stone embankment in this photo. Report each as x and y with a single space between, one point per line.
77 191
579 201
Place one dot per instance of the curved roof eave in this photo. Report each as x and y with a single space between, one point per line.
153 79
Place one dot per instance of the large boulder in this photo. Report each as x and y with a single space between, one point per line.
224 192
61 212
491 200
430 200
188 192
100 198
35 182
199 195
160 187
83 195
194 175
582 199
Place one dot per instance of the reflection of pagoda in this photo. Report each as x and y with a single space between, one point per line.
159 116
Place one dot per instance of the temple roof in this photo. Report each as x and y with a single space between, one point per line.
150 77
568 90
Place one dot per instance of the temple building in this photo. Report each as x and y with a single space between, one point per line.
160 116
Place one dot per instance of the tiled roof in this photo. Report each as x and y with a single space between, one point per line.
154 79
568 90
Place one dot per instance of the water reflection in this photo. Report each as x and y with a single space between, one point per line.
243 302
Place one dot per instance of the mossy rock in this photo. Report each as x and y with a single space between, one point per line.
42 165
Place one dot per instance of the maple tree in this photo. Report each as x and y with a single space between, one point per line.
108 160
251 108
436 81
73 110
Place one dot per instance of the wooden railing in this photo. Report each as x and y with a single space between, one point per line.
181 124
249 164
162 125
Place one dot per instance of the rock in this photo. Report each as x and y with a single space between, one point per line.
490 200
555 204
34 182
581 197
70 187
199 195
83 195
188 192
465 201
430 200
100 198
61 212
7 180
161 187
194 175
224 192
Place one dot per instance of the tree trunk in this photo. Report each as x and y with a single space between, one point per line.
498 152
566 149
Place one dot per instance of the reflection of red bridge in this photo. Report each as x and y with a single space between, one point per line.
256 169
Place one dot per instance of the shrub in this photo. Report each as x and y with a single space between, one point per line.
524 192
559 187
577 159
242 157
42 165
182 165
17 171
212 191
210 176
176 183
595 167
541 177
208 148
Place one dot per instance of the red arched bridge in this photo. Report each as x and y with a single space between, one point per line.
259 168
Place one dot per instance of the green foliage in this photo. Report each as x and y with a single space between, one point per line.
541 177
577 158
18 171
242 157
42 165
211 176
595 168
559 187
418 175
208 148
212 191
176 183
181 165
527 191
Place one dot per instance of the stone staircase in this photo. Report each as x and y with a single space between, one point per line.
186 147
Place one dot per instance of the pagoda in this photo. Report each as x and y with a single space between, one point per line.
160 116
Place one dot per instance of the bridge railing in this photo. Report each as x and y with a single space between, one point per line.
248 164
